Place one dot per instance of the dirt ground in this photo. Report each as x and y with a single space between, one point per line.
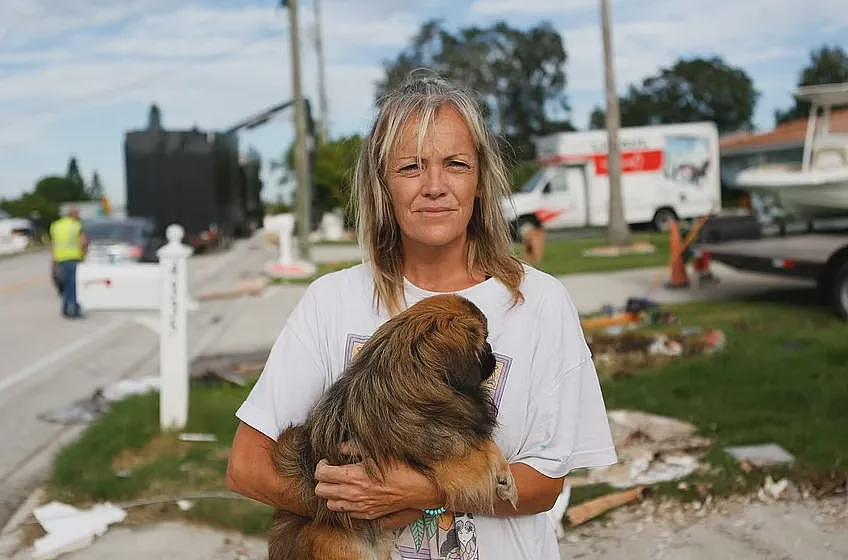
737 528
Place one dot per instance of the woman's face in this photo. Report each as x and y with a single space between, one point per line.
433 201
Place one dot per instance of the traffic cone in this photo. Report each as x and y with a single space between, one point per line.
677 266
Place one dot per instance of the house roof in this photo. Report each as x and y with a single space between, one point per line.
787 135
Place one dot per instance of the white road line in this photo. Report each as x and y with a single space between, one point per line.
58 355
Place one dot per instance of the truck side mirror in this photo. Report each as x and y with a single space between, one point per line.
547 188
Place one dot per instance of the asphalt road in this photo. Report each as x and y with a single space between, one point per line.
49 362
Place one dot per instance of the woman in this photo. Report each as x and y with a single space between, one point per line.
427 189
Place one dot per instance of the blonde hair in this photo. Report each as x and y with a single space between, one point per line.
489 249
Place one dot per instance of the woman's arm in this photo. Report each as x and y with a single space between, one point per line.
536 492
251 472
348 488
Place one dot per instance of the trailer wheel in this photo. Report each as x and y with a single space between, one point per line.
839 291
663 218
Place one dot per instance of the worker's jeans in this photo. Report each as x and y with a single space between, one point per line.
70 307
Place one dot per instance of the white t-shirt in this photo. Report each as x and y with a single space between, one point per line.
551 413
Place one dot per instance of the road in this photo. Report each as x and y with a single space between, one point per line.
49 362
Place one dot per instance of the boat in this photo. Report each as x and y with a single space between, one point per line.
817 188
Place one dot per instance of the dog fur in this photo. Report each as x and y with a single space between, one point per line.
413 394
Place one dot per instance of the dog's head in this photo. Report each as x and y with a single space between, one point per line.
447 334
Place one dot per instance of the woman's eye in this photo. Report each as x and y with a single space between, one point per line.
460 164
411 168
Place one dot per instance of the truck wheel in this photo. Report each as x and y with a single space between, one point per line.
839 291
663 218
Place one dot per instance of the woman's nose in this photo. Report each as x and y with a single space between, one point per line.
434 182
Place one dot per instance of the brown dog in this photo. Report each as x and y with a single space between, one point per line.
412 394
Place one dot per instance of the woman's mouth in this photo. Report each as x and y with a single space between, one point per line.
436 211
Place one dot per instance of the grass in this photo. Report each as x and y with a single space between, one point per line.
562 257
566 256
159 465
322 269
783 378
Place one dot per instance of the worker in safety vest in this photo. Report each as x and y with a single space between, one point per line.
69 247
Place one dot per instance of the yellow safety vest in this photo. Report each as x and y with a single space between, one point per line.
66 236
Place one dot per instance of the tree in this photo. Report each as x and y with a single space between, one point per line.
95 189
519 75
699 89
597 118
60 189
331 174
73 173
828 65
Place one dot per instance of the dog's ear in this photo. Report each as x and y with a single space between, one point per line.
487 363
470 370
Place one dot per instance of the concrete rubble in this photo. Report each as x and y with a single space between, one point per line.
650 449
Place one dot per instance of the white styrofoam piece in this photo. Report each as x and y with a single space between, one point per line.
69 528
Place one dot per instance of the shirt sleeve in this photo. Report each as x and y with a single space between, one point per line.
294 376
566 425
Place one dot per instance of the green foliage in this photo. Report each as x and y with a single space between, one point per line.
332 172
42 204
95 189
73 174
828 65
519 75
698 89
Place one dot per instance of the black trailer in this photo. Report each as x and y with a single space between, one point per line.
192 178
822 257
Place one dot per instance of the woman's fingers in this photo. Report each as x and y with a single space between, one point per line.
342 474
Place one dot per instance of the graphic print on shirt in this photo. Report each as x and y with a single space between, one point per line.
452 536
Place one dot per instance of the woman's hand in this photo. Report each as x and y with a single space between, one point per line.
349 489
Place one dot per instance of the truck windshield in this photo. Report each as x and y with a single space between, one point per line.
533 183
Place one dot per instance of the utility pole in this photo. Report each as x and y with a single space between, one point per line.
323 129
617 231
301 161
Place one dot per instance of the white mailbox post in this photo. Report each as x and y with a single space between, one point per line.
173 332
288 266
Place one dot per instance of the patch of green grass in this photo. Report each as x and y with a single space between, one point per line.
85 471
323 268
566 256
783 378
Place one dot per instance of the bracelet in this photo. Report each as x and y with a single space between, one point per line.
435 512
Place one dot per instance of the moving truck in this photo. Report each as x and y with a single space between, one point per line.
668 172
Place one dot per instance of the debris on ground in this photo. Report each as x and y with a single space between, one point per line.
247 287
619 352
650 449
85 411
773 489
759 456
238 369
207 438
69 528
591 509
638 248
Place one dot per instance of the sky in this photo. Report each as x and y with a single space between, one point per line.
76 74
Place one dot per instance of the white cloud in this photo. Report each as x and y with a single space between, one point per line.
542 7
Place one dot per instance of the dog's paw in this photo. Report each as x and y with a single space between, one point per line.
506 489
